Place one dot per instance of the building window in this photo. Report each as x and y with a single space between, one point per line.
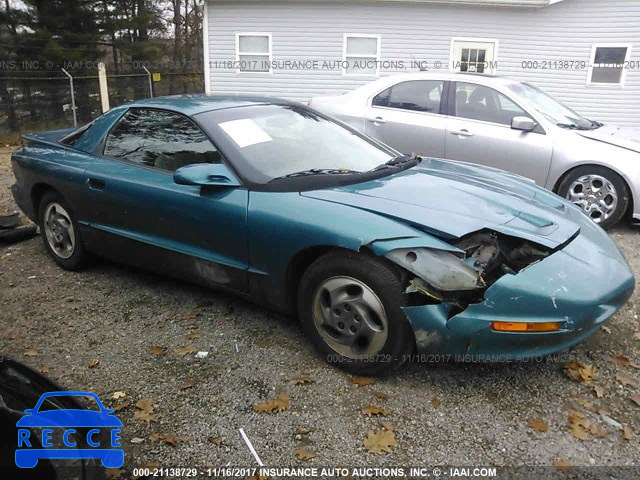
475 55
361 54
607 64
253 52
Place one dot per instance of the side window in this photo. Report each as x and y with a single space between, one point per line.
159 139
382 99
483 103
417 95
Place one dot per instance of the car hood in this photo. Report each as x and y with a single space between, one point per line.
451 199
624 137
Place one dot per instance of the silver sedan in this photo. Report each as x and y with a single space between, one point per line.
502 123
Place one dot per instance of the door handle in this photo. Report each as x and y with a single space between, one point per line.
463 133
96 183
377 120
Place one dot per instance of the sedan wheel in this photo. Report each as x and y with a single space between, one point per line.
601 193
596 196
350 305
60 233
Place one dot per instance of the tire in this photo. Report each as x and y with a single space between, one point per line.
61 236
347 296
601 193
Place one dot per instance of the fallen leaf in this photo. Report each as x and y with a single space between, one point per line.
580 372
584 403
538 425
606 329
183 438
436 402
578 426
217 441
362 381
278 404
121 405
191 326
145 405
144 416
596 431
156 350
13 335
302 431
165 438
562 464
31 353
114 473
578 431
380 395
302 379
192 336
636 336
182 351
304 454
43 370
621 360
381 441
625 380
191 315
627 433
599 391
635 399
387 426
117 395
188 384
92 363
374 410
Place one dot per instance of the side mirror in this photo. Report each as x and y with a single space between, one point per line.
524 124
206 175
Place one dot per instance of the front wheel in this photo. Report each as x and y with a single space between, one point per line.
601 193
350 306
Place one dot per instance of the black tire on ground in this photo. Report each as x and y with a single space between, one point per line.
384 283
73 258
616 180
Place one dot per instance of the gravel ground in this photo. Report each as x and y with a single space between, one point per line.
441 413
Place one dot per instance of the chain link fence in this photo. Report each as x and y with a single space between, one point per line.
36 101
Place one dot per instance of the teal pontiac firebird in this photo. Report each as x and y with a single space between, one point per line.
380 254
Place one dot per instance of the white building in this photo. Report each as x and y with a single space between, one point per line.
584 52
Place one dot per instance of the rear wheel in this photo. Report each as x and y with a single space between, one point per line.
601 193
60 234
350 305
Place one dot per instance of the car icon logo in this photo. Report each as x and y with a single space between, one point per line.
69 433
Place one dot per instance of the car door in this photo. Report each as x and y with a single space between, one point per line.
150 220
479 131
407 117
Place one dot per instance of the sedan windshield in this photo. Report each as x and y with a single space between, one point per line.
275 141
551 108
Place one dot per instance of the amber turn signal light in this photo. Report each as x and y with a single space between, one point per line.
526 326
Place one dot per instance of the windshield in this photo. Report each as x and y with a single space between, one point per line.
277 141
551 108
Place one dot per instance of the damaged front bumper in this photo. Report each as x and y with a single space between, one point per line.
580 286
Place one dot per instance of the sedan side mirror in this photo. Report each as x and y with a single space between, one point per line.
524 124
206 175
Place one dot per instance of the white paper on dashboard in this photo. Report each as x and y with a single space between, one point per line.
245 132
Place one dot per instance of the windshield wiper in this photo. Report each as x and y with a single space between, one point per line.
399 160
595 124
572 126
317 171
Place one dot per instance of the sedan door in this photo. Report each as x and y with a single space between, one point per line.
479 131
138 211
407 117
